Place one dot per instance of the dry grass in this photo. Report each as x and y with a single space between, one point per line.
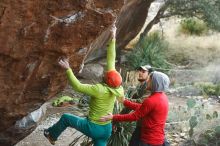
200 50
185 49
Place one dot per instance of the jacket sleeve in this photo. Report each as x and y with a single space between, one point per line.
136 115
91 90
111 55
131 105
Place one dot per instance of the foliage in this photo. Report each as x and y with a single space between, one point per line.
85 141
206 10
193 122
197 116
193 26
121 135
191 103
210 136
210 89
121 131
148 50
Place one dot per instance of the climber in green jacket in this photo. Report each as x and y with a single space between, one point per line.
103 96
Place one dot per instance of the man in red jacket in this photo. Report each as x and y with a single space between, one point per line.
153 111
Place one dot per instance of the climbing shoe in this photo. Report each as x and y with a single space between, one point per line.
47 135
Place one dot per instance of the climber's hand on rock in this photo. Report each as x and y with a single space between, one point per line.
64 63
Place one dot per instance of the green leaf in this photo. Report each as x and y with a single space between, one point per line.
193 122
215 114
208 117
217 130
218 142
191 103
203 141
209 135
191 132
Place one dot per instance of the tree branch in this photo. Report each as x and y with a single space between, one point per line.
155 20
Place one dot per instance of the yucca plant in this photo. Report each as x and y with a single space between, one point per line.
121 132
149 50
82 139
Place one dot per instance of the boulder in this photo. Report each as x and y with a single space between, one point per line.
35 34
92 72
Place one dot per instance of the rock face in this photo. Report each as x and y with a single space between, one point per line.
92 72
34 34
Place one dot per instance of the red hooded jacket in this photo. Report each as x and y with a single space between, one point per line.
153 112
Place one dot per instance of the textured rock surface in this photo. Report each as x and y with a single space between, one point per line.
92 72
34 34
129 23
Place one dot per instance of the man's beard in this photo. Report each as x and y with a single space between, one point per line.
141 80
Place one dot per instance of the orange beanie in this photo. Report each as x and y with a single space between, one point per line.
113 78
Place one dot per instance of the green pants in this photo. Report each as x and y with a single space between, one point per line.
98 133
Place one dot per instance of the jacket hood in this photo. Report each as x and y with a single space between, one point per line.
159 82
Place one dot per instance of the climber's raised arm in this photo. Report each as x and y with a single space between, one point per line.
111 52
112 77
87 89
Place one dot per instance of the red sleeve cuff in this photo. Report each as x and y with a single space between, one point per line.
116 117
126 102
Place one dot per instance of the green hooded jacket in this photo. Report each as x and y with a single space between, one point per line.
102 96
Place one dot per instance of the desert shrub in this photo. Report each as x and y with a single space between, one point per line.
210 137
193 26
210 89
121 132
